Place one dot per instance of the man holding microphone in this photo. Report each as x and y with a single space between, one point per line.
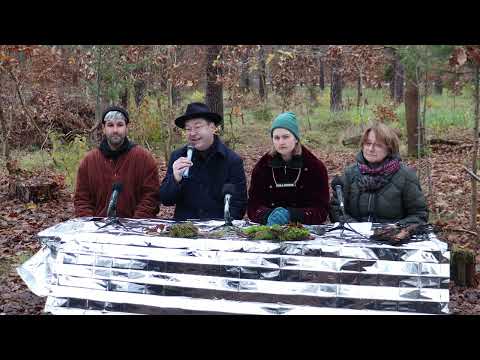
198 171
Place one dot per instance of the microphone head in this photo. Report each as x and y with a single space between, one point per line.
337 181
117 187
228 189
190 149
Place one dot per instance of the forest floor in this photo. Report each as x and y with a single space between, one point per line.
449 204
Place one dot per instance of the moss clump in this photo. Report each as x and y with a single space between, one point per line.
289 232
294 233
264 235
184 230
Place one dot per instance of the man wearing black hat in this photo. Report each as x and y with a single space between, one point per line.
211 165
117 161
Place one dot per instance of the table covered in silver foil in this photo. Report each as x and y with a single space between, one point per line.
84 268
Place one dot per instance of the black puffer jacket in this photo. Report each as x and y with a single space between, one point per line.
400 200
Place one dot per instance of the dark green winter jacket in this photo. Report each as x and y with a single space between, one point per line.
400 200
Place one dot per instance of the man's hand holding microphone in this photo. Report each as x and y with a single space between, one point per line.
182 165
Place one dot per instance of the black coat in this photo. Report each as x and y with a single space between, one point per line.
200 195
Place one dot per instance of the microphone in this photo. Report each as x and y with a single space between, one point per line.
112 206
228 190
190 149
337 185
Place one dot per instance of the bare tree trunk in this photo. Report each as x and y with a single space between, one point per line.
359 89
420 125
3 128
473 222
336 89
214 90
139 87
411 115
393 77
322 76
399 76
244 75
124 98
438 86
76 71
98 80
173 91
262 74
312 93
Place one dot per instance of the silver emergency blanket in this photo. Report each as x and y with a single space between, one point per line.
85 267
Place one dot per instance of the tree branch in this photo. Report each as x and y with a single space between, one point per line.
471 173
17 87
461 230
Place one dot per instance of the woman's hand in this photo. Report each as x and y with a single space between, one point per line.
279 215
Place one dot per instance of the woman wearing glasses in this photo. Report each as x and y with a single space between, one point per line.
288 184
379 187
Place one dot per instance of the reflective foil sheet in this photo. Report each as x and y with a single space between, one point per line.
85 267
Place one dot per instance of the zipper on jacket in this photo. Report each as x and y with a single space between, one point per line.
369 210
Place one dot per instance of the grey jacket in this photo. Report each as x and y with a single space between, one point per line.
400 200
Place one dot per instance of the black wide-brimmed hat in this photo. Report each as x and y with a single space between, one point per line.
197 110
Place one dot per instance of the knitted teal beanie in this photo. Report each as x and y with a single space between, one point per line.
286 120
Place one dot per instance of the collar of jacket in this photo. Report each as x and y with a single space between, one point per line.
114 154
296 162
217 147
362 160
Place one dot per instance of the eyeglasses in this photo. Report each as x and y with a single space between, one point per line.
195 129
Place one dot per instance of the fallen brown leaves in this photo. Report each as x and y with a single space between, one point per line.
449 206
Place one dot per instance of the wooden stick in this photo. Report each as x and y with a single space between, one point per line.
470 172
461 230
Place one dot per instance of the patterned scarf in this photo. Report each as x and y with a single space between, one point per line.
373 179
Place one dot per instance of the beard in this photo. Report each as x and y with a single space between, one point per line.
115 140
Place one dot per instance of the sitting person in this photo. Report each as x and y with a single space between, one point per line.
288 184
212 165
117 160
379 187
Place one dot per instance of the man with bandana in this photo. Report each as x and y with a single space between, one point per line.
117 161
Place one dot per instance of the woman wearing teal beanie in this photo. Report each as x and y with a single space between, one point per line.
288 184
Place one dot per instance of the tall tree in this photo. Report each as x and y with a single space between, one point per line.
419 62
214 88
438 86
336 88
245 73
4 132
470 55
399 79
262 74
474 206
411 115
334 56
322 75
